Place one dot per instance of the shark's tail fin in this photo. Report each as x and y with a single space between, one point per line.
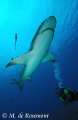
18 83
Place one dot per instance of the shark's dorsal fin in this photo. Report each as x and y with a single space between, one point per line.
49 57
23 59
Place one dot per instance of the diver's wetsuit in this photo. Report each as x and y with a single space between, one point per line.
67 95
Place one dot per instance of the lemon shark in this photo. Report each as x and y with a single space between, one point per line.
38 51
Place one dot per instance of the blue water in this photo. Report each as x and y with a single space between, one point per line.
38 97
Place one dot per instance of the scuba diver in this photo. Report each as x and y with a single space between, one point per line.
15 40
66 95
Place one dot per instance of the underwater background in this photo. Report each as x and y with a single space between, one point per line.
39 97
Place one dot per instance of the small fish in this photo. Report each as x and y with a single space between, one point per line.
12 58
12 83
12 100
15 40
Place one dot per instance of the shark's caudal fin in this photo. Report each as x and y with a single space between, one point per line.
21 59
18 83
49 57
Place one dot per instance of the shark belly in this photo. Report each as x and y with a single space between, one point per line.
43 42
39 51
32 65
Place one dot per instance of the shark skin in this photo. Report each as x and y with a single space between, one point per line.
38 51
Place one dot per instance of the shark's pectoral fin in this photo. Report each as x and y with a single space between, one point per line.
49 57
23 59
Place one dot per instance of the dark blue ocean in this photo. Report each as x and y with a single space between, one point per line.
38 97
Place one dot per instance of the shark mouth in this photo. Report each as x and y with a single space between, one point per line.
48 29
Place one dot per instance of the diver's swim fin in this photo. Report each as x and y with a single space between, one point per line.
18 83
